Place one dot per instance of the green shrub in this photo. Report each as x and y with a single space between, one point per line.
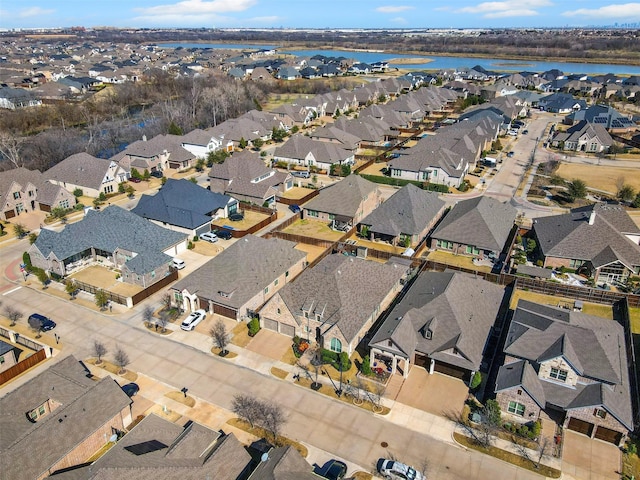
328 356
254 326
26 259
365 368
536 428
476 381
77 192
344 362
196 238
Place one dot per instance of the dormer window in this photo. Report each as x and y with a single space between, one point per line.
428 334
558 374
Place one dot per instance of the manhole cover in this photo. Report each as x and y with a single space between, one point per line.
384 444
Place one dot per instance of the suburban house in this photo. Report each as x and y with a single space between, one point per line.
604 115
337 136
442 323
599 240
302 151
326 304
561 103
23 190
202 142
159 449
155 155
477 227
245 176
283 463
58 419
405 218
8 357
112 237
570 365
90 174
583 137
238 281
344 203
185 207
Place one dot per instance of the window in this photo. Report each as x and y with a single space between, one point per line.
389 343
600 413
279 312
312 213
266 290
516 408
16 195
306 314
276 282
336 345
332 216
286 274
33 415
64 203
428 334
41 410
519 392
560 375
153 274
1 360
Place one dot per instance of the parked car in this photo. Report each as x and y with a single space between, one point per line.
392 470
300 173
178 263
513 133
294 208
223 234
40 322
524 132
333 470
134 180
209 237
131 389
510 154
157 174
193 319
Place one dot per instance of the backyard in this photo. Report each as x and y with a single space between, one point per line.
250 219
313 229
597 309
456 261
104 278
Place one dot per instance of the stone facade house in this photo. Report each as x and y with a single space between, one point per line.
113 237
478 227
442 323
583 137
90 174
345 203
155 155
58 419
334 303
238 281
569 364
600 241
300 150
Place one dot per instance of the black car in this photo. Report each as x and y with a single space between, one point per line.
333 470
294 208
157 174
223 234
41 322
131 389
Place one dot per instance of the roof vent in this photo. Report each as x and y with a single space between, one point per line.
592 217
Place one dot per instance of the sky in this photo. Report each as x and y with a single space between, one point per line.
317 13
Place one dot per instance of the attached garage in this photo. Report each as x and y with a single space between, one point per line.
287 330
422 361
225 311
45 208
9 214
451 370
580 426
608 435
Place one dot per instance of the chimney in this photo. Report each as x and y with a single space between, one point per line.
592 217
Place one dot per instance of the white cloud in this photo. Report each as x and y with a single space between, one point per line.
394 8
399 20
626 11
34 12
506 8
192 8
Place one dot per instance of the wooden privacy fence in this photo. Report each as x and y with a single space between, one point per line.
113 297
23 366
151 289
299 201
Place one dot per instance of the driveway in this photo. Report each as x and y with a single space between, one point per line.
270 344
437 393
589 459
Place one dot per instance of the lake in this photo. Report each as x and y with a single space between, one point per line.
437 62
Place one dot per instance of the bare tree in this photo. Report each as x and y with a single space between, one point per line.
220 336
99 350
247 408
121 359
375 394
10 148
273 419
147 315
166 301
535 456
13 314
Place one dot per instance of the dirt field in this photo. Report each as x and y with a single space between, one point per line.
251 218
599 176
313 228
296 192
106 279
374 169
381 246
312 251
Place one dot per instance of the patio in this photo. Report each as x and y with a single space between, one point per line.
105 279
376 245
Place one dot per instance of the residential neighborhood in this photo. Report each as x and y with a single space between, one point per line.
433 271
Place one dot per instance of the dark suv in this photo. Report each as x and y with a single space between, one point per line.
41 322
223 234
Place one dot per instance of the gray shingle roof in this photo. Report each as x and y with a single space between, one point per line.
283 463
242 270
593 346
80 169
407 211
28 449
459 310
334 287
481 221
181 203
521 374
108 230
570 235
344 197
300 146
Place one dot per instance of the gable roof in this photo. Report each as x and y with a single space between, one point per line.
283 463
408 211
333 289
108 230
242 271
181 203
84 407
521 374
570 235
344 197
482 222
80 169
458 309
300 146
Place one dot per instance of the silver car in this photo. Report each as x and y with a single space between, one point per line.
209 237
392 470
193 319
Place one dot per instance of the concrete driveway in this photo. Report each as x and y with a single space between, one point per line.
437 393
270 344
589 459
